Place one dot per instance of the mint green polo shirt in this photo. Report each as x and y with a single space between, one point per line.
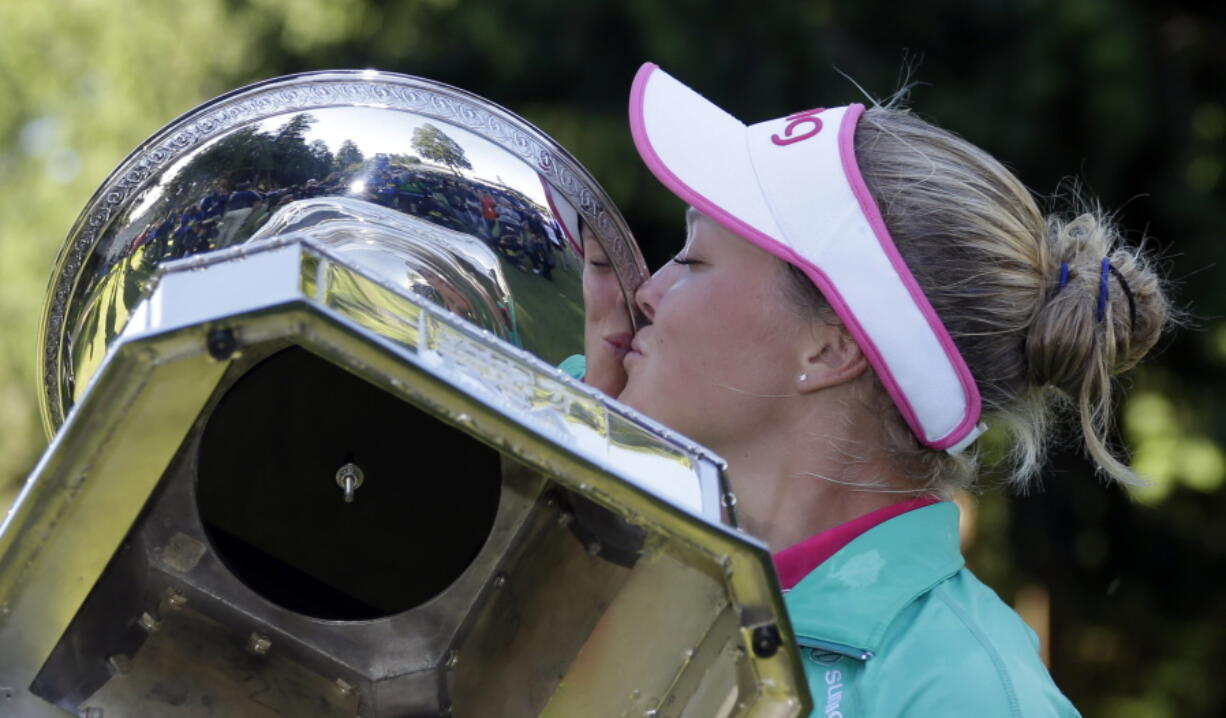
893 624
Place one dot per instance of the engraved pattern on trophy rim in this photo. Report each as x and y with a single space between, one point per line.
318 91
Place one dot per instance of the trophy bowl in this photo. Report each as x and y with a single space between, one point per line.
366 146
313 453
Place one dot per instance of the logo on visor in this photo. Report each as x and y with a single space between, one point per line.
807 119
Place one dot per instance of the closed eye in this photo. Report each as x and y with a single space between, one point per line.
678 259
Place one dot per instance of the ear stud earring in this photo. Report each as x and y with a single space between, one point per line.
804 377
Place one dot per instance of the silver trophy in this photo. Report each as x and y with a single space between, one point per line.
313 455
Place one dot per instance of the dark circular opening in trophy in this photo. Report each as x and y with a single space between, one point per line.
279 454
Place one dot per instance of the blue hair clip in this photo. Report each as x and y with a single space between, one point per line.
1063 276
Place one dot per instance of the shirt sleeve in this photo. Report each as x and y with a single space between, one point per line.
575 365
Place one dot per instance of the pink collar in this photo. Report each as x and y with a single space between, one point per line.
796 562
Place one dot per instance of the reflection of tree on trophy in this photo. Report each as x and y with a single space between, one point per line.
348 155
434 144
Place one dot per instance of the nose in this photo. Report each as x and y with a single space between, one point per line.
645 298
648 295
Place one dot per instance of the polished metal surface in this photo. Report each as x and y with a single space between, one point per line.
237 168
313 455
605 583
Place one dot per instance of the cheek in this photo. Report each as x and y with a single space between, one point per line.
737 338
601 295
589 289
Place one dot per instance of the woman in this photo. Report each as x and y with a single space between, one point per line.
858 293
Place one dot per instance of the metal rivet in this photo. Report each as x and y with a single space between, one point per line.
221 344
175 599
119 665
258 644
147 622
766 641
349 477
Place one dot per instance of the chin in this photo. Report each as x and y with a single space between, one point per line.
630 397
640 402
608 381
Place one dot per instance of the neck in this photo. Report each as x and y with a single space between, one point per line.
792 485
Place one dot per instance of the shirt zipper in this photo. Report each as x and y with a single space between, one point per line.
858 654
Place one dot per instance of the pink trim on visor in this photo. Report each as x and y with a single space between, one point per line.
972 408
851 168
578 247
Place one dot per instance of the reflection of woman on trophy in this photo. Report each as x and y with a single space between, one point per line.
919 287
606 329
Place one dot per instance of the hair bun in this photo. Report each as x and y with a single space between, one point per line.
1069 337
989 263
1100 321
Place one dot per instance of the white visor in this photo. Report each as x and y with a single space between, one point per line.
792 187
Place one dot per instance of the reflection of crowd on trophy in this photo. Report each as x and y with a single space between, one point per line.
505 219
508 221
211 223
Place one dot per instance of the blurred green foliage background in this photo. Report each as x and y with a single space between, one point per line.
1126 96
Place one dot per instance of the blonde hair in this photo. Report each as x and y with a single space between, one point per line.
989 262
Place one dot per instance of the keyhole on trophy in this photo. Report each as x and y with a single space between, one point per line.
349 477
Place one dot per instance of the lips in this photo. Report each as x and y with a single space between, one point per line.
634 350
620 343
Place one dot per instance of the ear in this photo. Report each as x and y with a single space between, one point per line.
829 356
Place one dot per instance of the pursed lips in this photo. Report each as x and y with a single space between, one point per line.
621 343
635 350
